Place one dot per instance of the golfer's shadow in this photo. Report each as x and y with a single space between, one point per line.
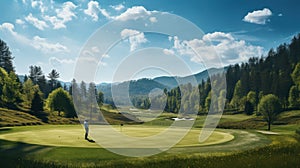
90 140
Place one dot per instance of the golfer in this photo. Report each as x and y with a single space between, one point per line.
86 127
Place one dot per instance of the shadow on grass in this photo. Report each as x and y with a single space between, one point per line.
14 154
5 129
90 140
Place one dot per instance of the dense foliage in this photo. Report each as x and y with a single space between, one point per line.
60 100
269 106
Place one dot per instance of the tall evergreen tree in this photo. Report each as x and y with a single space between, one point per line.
6 57
296 75
35 73
294 99
37 103
53 82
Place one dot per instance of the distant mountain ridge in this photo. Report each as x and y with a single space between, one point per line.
144 86
172 81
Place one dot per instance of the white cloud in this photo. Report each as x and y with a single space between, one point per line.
218 37
57 23
43 45
56 62
64 15
134 13
40 24
280 14
118 7
38 43
153 19
8 27
20 21
135 38
105 13
258 16
38 4
93 10
66 12
216 47
168 52
89 58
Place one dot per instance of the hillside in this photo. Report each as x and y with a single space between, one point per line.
17 118
134 88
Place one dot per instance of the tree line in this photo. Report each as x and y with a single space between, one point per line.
37 92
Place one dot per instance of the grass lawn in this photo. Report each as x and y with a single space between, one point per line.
72 135
64 145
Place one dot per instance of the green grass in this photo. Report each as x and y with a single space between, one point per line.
248 148
279 155
72 135
86 154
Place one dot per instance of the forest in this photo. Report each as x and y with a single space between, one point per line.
278 74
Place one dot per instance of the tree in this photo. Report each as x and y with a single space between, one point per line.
35 73
83 91
3 76
91 98
294 100
296 75
37 103
251 97
53 82
249 109
100 98
28 91
10 88
237 95
269 106
60 100
5 57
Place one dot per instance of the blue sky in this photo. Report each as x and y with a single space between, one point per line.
51 33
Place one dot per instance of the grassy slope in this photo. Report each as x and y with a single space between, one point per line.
17 118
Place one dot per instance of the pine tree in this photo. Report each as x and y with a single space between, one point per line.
53 82
5 57
35 73
294 99
37 103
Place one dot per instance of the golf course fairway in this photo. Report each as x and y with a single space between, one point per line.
73 135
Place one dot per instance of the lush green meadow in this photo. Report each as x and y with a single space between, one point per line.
63 146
